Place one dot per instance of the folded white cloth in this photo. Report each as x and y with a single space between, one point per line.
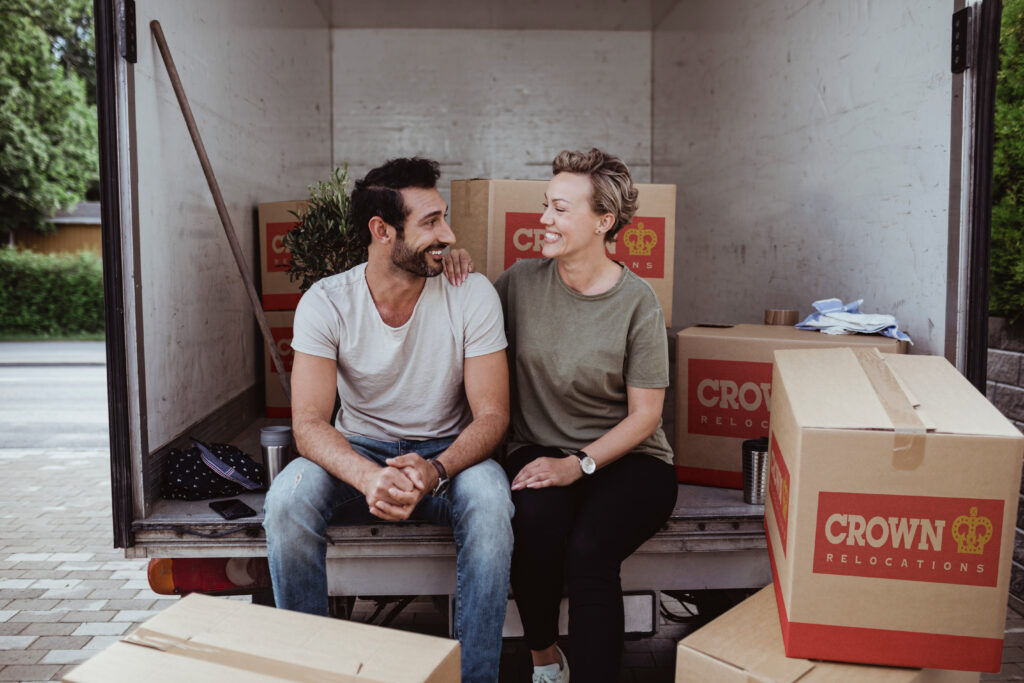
835 317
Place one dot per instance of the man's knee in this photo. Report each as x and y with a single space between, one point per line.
298 495
483 490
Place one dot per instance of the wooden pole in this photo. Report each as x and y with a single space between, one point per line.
218 200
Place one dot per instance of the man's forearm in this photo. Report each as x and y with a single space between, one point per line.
320 442
475 443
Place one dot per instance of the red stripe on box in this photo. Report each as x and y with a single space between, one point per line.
278 412
883 646
705 477
281 302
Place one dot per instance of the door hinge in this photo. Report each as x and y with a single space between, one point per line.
962 40
126 31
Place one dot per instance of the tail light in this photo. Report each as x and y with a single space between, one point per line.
215 575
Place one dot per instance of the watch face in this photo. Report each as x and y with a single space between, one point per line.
587 463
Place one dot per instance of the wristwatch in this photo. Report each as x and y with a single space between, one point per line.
442 477
587 463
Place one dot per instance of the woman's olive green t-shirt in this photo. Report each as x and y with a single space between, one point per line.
572 356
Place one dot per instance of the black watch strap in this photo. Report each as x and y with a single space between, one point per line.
442 476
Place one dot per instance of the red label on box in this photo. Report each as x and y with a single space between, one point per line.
728 398
778 491
283 341
912 538
278 258
642 247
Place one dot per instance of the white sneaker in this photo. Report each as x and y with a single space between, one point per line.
545 674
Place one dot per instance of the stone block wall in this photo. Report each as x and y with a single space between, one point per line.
1005 388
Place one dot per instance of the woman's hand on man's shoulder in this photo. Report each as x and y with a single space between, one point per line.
457 266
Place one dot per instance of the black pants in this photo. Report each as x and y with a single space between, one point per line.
577 536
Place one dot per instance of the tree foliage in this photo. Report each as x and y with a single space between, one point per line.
1007 260
48 135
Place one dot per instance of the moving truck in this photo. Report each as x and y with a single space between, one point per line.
818 149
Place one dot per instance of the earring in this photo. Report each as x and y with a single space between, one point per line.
598 231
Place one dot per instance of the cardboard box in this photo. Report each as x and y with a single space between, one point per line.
276 219
204 639
892 500
722 391
281 328
745 644
498 222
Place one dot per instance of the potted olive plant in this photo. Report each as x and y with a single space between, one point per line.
324 243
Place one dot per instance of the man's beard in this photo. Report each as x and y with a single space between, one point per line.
415 262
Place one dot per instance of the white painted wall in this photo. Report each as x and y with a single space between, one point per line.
810 143
573 15
257 76
490 103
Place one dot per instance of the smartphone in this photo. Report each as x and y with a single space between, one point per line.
232 509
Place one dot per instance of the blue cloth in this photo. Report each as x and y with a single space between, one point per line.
304 499
835 317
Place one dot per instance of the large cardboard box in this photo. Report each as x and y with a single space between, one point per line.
745 644
498 222
893 488
202 639
280 323
276 219
722 391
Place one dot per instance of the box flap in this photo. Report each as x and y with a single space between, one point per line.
126 663
845 388
293 646
829 388
947 398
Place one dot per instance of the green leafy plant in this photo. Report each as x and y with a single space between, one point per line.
50 295
324 243
1006 294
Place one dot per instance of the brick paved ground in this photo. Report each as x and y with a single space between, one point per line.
64 591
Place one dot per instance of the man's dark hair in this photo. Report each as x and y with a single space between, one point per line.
378 194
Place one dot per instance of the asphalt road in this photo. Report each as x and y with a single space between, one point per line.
53 395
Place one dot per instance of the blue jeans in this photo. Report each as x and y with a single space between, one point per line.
305 499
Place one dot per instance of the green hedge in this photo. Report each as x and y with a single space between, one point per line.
50 295
1007 268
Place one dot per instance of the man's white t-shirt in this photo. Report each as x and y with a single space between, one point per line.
400 383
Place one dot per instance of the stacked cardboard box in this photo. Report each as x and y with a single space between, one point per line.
498 222
892 491
723 387
280 294
745 644
209 640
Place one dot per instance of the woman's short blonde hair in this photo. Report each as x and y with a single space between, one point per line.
612 188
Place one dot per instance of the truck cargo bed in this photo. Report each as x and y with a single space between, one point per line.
392 558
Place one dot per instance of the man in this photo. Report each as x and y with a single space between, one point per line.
420 367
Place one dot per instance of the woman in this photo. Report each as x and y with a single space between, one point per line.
589 463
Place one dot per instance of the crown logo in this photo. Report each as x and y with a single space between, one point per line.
969 540
640 240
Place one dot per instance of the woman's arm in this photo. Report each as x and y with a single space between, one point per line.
644 408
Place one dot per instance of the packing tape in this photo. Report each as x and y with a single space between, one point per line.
244 661
781 316
908 429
